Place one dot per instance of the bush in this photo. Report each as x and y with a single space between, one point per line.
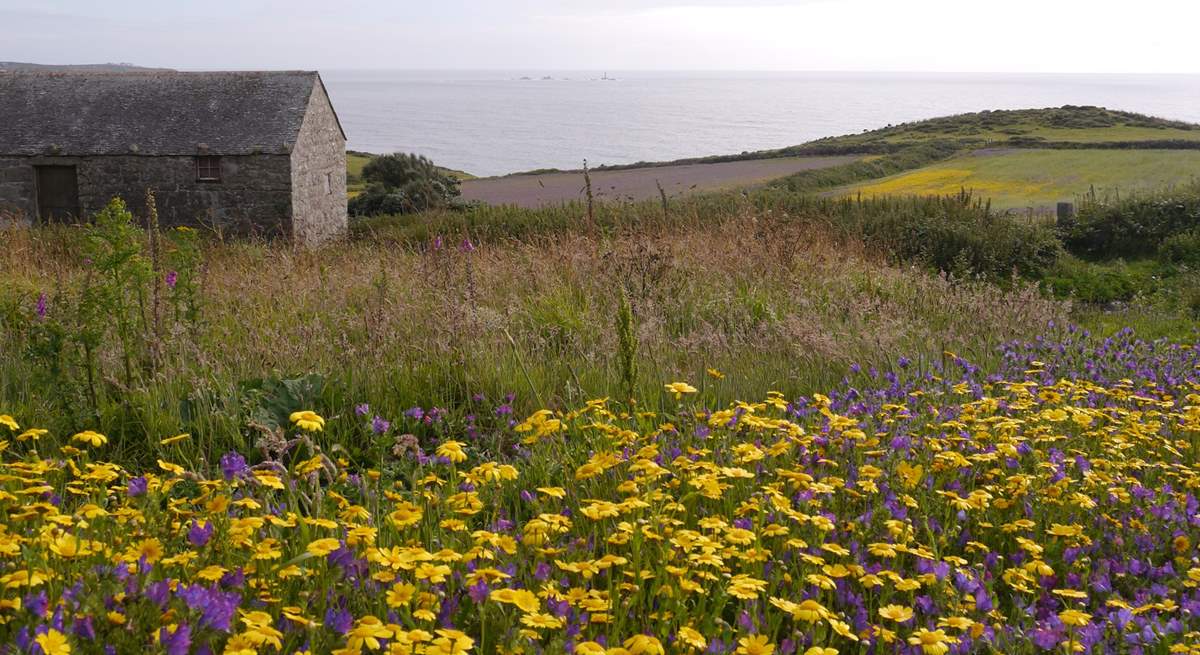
957 234
403 184
1135 226
1182 248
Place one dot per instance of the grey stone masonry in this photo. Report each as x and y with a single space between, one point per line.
319 174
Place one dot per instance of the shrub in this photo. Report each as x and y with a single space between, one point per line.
403 184
1182 248
1135 226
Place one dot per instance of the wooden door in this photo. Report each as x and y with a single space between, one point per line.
57 193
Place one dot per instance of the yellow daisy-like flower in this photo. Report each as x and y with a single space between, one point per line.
367 632
897 613
643 645
9 422
175 439
1074 618
32 433
453 451
692 638
755 645
522 598
589 648
90 437
817 650
53 642
307 420
540 620
322 547
680 388
932 642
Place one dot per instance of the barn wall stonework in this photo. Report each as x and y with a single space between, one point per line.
319 174
17 190
253 197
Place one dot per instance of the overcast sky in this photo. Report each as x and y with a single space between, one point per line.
1149 36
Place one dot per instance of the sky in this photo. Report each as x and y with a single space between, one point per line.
1037 36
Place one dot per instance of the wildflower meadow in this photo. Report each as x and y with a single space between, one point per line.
1048 503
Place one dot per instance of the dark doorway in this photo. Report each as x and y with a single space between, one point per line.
57 193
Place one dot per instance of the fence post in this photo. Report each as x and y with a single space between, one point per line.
1066 214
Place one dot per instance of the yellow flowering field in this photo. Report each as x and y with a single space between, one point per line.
1048 507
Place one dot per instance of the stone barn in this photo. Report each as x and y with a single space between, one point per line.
246 153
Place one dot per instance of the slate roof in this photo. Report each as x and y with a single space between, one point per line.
152 113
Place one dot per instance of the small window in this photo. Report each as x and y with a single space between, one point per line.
208 168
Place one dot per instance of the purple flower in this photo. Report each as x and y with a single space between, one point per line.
200 533
362 409
379 425
37 604
177 642
137 486
339 620
172 278
479 592
233 465
41 306
466 246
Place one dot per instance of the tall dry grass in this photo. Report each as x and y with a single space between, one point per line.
774 304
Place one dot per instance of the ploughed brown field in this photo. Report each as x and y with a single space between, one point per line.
536 190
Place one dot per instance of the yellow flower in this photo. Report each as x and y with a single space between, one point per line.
715 374
53 642
643 644
589 648
755 645
9 422
896 613
175 439
522 598
745 587
692 638
817 650
32 433
540 620
453 451
307 420
810 611
932 642
368 631
1074 618
68 546
90 437
434 573
680 388
400 594
322 547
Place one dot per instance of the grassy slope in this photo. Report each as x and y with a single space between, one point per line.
1016 179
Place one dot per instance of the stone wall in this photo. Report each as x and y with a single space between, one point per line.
319 174
253 197
17 190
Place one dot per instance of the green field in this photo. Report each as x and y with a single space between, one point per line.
1018 179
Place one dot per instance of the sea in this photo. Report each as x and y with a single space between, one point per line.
498 122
